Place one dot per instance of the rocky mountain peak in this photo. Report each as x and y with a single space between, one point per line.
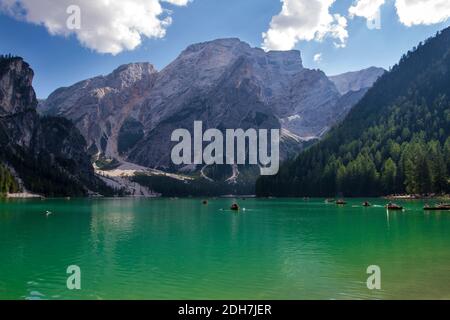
227 49
16 91
208 58
290 60
134 76
357 80
128 74
223 42
201 67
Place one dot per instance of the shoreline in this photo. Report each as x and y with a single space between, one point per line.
29 195
23 195
445 197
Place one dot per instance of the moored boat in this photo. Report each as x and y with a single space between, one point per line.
393 206
235 207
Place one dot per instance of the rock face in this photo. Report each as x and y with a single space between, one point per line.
358 80
276 80
353 86
130 114
347 102
48 154
100 106
15 82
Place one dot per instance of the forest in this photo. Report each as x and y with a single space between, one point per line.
7 182
395 140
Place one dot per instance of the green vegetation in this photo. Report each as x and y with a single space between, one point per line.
5 60
41 176
199 187
218 172
7 182
41 172
107 164
396 140
44 175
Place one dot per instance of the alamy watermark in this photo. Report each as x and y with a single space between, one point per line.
73 21
236 147
374 280
74 280
375 22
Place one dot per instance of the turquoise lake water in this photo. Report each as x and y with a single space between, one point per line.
182 249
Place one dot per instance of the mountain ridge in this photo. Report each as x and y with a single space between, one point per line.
271 85
356 80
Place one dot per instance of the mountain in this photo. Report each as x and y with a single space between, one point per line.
42 155
356 81
130 114
101 106
395 140
353 86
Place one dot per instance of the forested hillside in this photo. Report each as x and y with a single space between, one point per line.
395 140
47 153
7 182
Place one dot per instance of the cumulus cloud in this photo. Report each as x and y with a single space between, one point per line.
107 26
410 12
305 20
366 8
416 12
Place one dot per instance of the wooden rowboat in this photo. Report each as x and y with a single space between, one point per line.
235 207
393 206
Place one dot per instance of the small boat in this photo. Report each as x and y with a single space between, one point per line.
366 204
440 207
235 207
341 202
330 200
393 206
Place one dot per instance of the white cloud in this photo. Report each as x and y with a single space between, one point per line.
107 26
416 12
178 2
410 12
318 58
305 20
366 8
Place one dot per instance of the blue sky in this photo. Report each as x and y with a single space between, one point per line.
61 61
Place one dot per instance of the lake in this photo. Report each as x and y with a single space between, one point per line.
182 249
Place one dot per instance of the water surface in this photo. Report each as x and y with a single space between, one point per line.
182 249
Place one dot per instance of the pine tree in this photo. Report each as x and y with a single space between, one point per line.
389 176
